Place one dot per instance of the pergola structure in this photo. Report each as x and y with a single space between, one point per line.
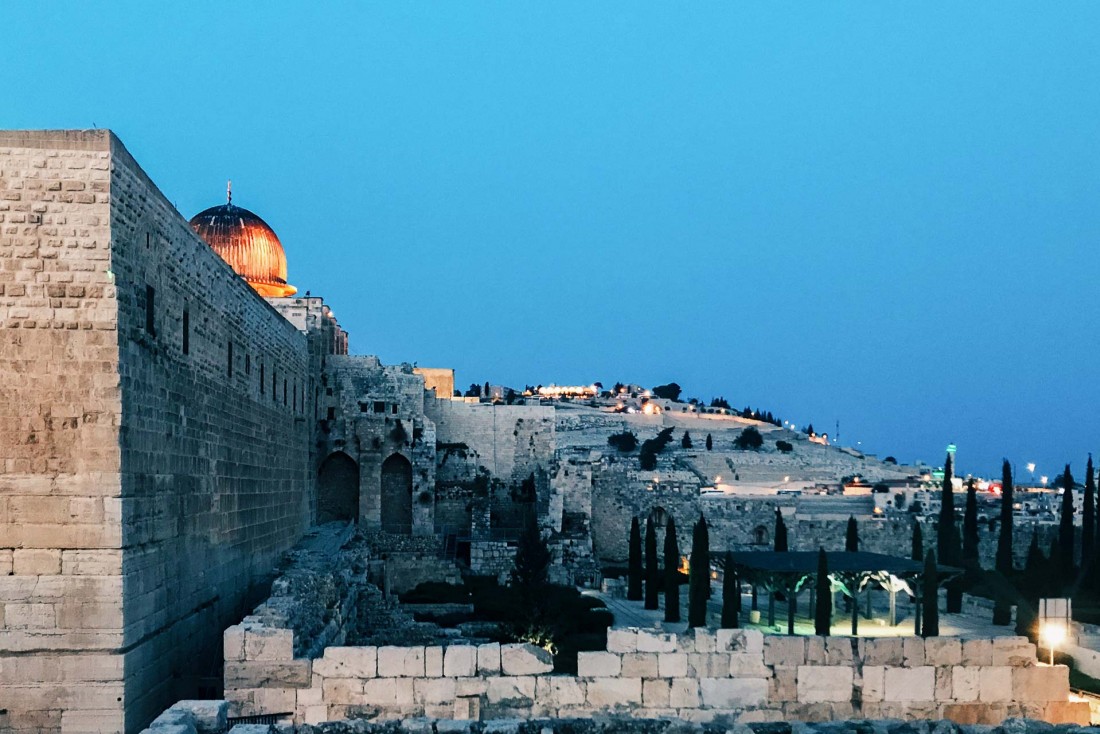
787 572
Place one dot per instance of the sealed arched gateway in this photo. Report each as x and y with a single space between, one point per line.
397 486
338 489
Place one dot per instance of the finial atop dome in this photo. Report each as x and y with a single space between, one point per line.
229 191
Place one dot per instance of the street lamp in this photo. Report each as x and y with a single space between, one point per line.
1054 621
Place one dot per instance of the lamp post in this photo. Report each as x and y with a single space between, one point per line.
1054 621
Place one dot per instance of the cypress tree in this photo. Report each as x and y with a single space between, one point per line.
672 573
971 559
1002 610
780 531
1035 568
851 536
947 535
917 553
823 611
1088 516
1066 530
731 595
685 442
634 564
699 575
652 573
930 583
710 442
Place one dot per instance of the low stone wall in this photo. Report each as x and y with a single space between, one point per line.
699 676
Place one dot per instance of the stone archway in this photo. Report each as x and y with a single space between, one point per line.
397 486
338 489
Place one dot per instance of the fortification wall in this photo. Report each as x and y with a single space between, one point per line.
698 676
61 562
158 461
511 441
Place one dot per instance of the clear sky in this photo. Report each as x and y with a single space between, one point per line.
879 213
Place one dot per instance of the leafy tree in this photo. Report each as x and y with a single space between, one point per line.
750 438
671 391
780 532
510 396
947 535
731 595
931 621
672 573
785 447
647 457
699 575
685 442
1088 516
720 403
474 391
625 442
889 460
970 558
851 536
1066 539
1002 611
634 564
532 560
823 609
652 574
710 442
917 553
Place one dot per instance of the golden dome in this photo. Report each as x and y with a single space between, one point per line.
248 244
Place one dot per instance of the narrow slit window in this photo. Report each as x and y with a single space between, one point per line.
247 364
150 298
186 331
229 360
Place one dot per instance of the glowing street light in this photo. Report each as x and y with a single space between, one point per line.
1054 620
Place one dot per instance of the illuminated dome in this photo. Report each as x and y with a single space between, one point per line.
248 244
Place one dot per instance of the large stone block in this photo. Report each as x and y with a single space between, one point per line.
460 661
268 643
233 642
434 690
697 639
603 693
1013 651
748 665
965 683
400 662
650 641
735 693
558 691
511 691
969 714
684 693
210 717
824 683
912 649
6 561
874 683
347 662
655 693
738 640
1067 712
977 652
639 665
839 650
622 640
784 650
910 684
36 561
433 661
672 665
599 664
488 659
783 685
885 651
708 665
1044 683
268 674
525 659
995 684
943 651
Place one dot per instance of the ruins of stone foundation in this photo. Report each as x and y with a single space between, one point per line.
178 421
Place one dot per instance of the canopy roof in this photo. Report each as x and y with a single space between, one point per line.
805 562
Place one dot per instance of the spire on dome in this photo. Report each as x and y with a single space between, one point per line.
229 191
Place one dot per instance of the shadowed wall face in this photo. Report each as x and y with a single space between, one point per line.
338 489
397 482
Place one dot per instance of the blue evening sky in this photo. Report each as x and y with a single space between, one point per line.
884 214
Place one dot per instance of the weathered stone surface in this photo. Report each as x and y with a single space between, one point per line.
965 684
824 683
649 641
622 640
488 659
433 661
733 693
977 652
910 684
268 643
874 683
434 690
558 691
612 693
1040 683
708 665
783 650
599 664
1013 651
881 650
684 693
403 662
672 665
655 693
639 665
995 684
525 659
942 651
347 662
511 691
747 665
460 661
912 651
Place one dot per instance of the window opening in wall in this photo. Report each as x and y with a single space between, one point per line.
229 361
294 397
274 396
328 391
261 379
393 408
316 400
284 391
379 406
146 239
186 331
247 364
150 297
332 414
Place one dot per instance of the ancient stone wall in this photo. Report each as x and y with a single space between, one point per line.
157 447
698 676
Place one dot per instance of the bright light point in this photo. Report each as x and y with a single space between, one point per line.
1053 633
1031 467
